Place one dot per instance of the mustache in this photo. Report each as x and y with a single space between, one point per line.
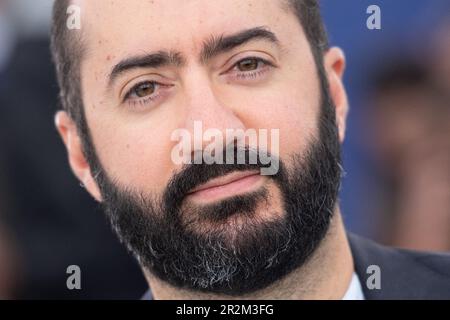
193 175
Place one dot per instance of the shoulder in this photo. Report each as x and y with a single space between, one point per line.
404 274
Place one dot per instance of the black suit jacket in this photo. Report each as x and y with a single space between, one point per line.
405 274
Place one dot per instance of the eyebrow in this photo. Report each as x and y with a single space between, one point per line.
152 60
211 48
217 45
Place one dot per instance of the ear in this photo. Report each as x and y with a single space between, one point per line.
334 61
80 167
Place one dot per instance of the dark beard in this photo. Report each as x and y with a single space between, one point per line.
197 248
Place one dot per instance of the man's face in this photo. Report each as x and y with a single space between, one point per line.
134 100
132 135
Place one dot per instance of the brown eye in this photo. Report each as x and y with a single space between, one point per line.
249 64
144 89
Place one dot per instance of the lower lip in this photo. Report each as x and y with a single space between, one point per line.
243 185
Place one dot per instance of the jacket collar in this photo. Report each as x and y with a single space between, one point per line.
405 274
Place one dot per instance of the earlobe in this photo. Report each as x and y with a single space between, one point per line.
334 61
80 167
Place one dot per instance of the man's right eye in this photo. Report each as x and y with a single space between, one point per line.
145 93
142 90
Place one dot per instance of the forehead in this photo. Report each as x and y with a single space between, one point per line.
155 24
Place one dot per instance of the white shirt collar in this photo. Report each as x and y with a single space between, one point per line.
354 291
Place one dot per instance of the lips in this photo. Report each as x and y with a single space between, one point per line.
224 180
235 183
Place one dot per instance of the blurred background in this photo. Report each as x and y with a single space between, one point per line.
396 156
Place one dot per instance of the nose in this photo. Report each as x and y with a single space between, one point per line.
207 115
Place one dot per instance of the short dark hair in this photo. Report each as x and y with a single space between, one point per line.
67 51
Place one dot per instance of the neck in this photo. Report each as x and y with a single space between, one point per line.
326 275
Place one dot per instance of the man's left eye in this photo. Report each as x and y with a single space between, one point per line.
250 68
249 64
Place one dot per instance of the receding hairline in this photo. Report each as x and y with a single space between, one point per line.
76 36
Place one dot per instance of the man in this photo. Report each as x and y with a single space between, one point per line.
136 73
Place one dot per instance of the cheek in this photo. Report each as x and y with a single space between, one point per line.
295 128
136 155
294 114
